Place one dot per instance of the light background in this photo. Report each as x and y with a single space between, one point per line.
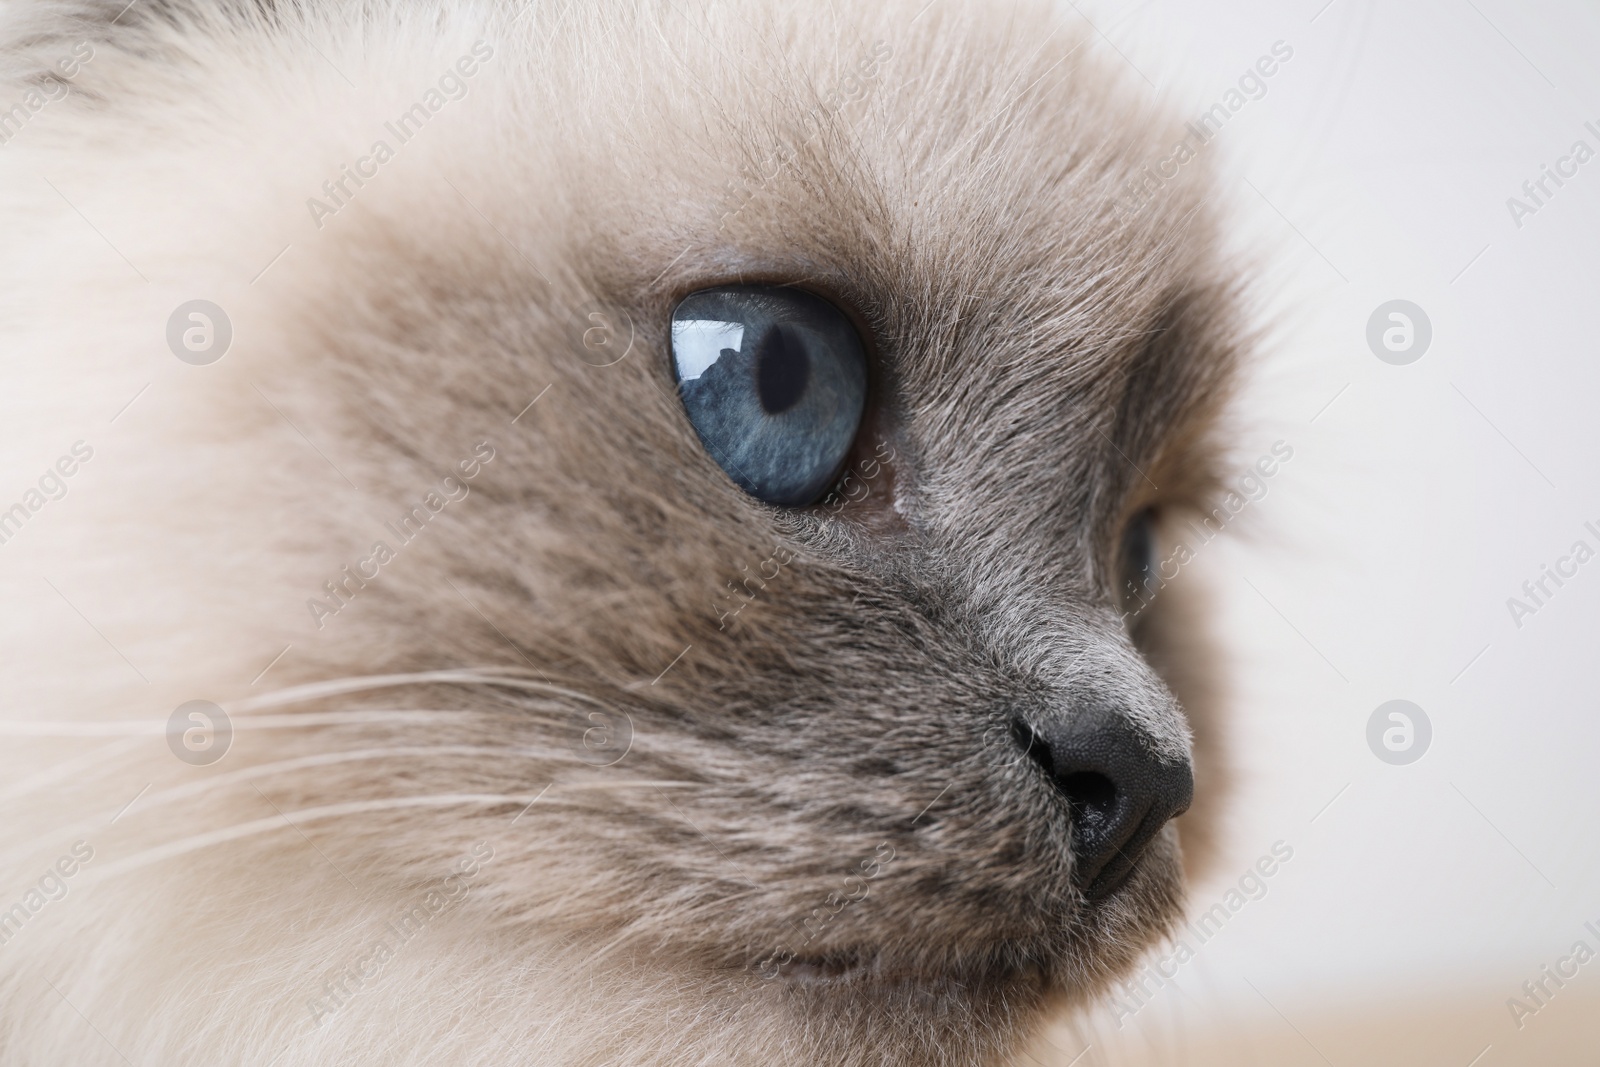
1419 499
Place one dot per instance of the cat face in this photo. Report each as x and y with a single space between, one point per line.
878 770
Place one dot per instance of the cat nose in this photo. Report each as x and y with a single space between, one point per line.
1121 793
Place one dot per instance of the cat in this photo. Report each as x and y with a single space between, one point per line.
593 532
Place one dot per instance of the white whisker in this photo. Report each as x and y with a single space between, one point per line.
341 686
290 819
278 767
241 723
635 783
245 720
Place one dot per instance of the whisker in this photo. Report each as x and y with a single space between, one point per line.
637 783
157 727
315 691
291 819
325 759
475 676
262 770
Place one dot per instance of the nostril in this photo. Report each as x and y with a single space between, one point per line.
1093 799
1119 793
1091 795
1034 746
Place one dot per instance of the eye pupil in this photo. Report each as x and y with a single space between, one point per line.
782 371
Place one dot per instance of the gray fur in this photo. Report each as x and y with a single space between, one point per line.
1041 364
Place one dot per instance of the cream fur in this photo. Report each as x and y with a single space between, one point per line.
1030 345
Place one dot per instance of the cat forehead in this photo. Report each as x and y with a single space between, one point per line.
952 180
957 185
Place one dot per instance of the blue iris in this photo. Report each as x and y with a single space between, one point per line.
774 381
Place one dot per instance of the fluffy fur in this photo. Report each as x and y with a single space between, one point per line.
1044 368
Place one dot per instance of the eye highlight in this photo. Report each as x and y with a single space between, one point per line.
774 380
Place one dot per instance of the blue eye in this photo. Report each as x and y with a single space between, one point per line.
774 381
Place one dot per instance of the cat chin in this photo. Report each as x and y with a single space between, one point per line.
1081 956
